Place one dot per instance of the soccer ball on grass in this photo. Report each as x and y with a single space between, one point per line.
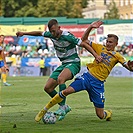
49 118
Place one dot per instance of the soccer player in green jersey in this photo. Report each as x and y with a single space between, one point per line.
65 46
93 80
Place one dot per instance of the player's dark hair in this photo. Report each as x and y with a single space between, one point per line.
113 35
52 22
2 35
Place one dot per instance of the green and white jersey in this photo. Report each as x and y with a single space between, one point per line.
65 46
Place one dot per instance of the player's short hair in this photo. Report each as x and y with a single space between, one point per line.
52 22
2 35
114 36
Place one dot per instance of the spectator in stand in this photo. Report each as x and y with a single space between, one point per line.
11 50
29 48
130 50
123 49
18 50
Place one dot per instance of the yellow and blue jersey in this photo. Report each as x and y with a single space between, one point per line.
110 59
1 48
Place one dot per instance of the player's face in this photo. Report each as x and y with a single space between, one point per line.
111 43
1 39
55 31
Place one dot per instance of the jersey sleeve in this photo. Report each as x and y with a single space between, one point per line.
121 59
72 39
47 34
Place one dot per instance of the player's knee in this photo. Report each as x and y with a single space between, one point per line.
60 80
46 89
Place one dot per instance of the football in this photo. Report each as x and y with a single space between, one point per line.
49 118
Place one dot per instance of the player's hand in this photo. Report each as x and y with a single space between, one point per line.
98 59
6 67
96 24
19 34
130 65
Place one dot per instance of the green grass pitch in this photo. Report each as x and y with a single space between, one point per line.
22 101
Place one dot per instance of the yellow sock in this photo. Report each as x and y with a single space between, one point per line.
56 99
3 76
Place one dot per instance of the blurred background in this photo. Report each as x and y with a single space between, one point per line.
24 53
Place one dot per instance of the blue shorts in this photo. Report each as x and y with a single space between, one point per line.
1 64
93 86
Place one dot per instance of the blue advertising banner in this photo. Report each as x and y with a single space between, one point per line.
54 62
30 62
11 40
24 71
34 62
32 40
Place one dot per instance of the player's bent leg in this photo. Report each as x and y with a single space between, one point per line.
64 76
65 108
50 87
67 73
56 99
61 88
77 84
100 112
104 114
40 115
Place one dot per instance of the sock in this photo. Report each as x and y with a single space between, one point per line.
3 75
56 99
105 115
53 93
62 87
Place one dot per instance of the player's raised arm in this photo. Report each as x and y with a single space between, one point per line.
32 33
90 49
95 24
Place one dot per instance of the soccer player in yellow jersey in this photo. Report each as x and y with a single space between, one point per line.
3 65
93 80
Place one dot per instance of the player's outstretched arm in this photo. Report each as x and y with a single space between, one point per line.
90 49
32 33
95 24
